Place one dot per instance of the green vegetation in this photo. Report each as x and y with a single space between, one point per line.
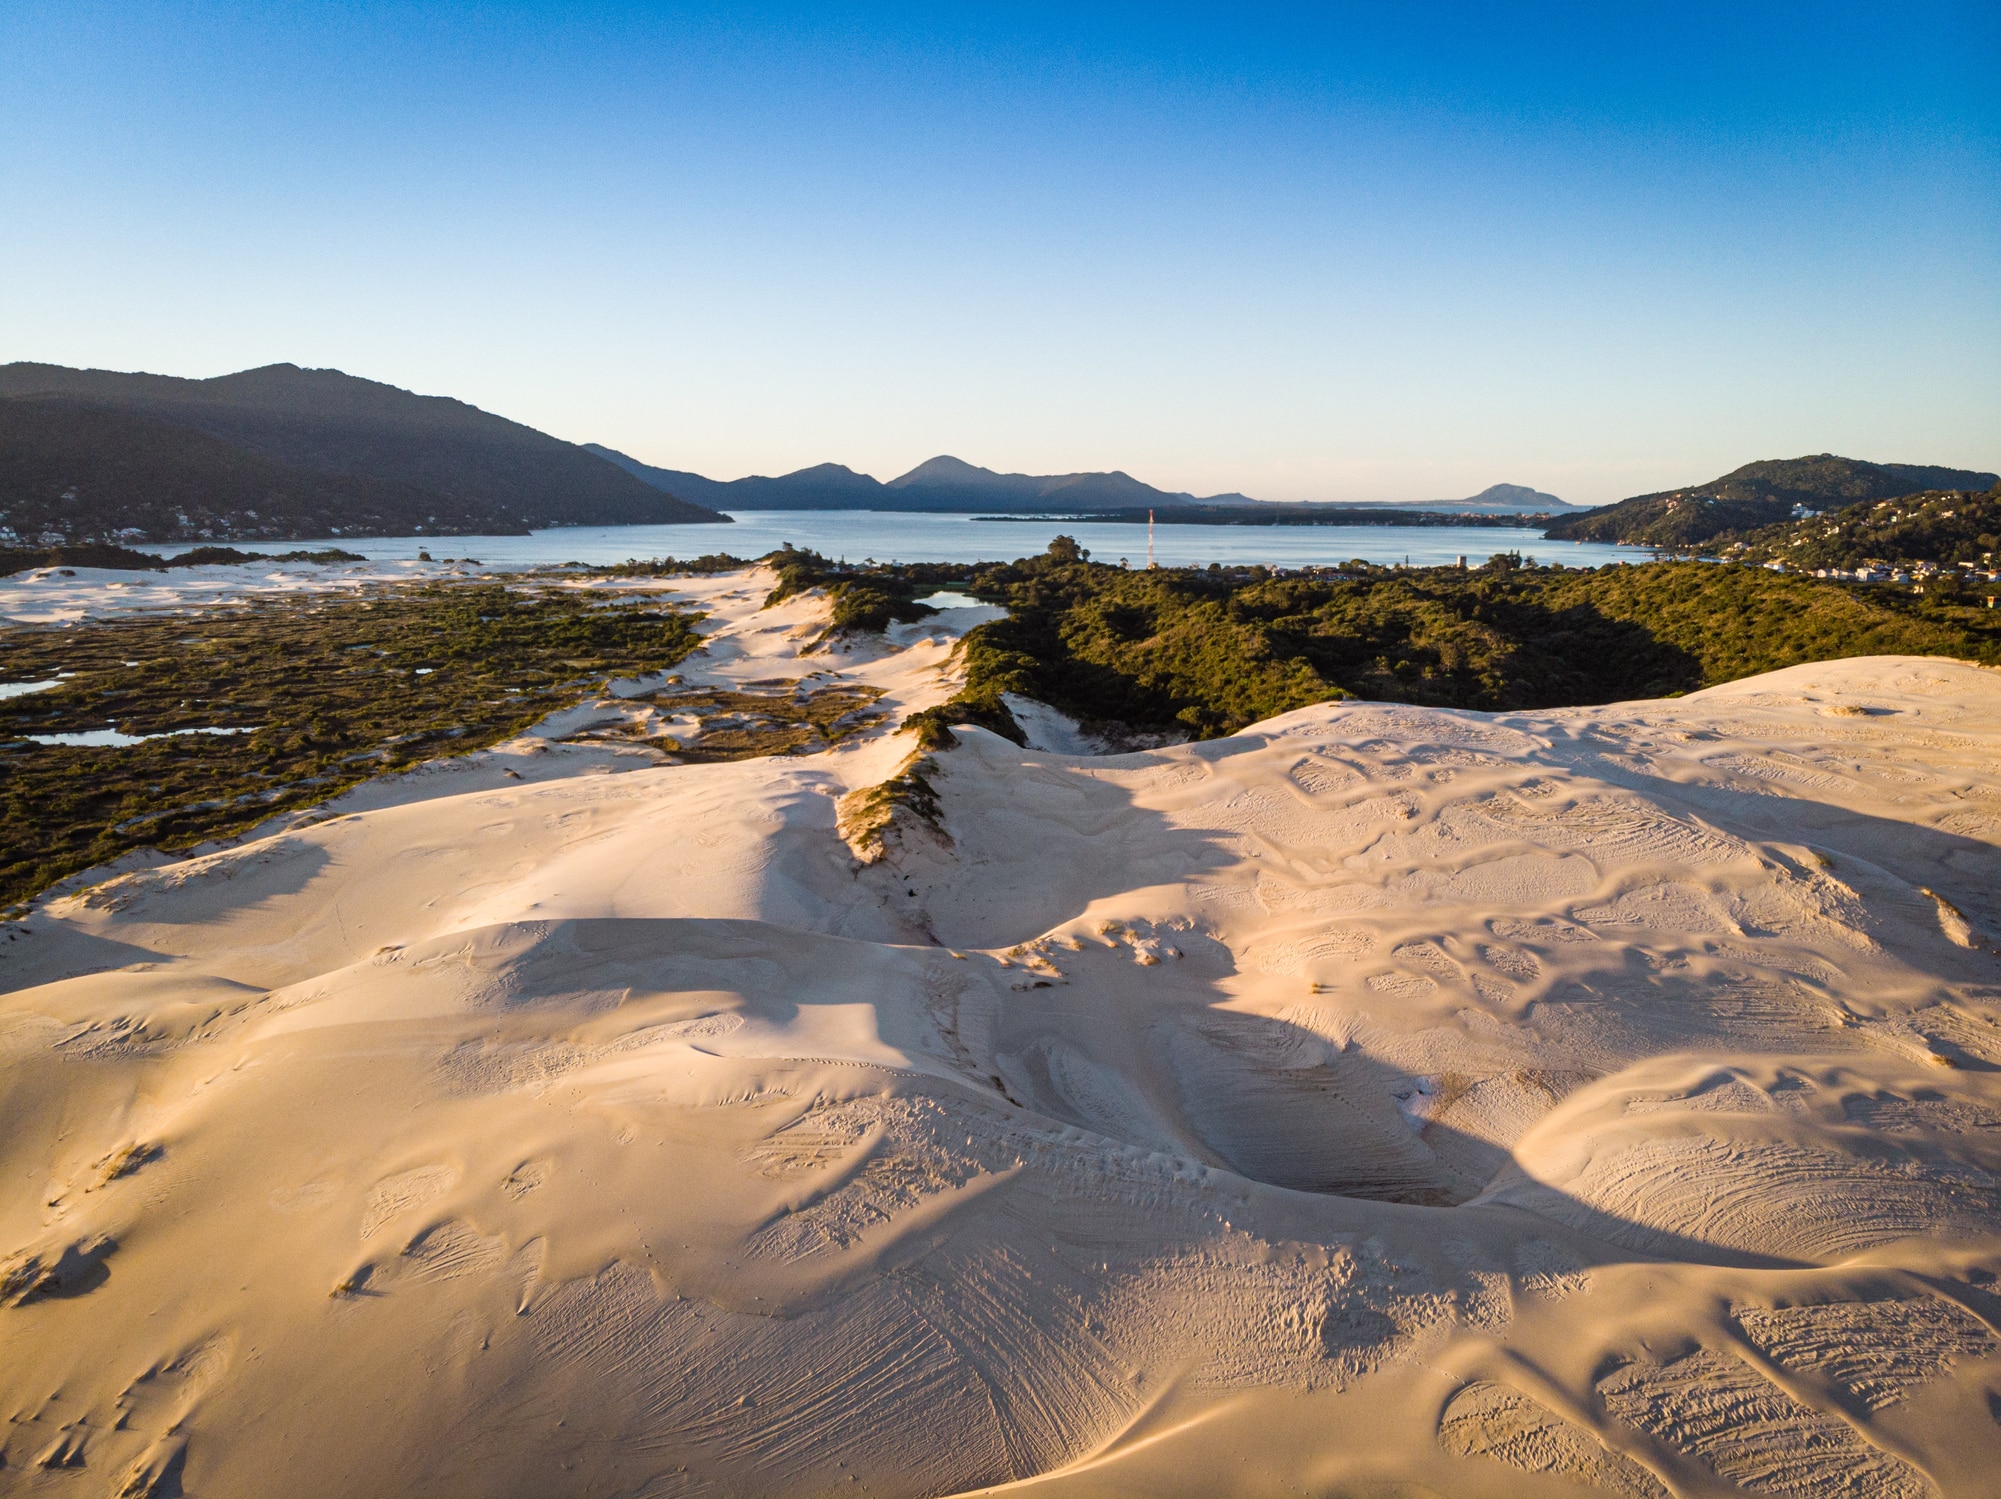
1207 652
1941 527
864 598
1758 494
328 692
704 566
789 720
866 817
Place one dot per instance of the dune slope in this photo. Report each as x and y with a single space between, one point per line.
1379 1100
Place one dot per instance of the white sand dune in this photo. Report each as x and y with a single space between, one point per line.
1382 1100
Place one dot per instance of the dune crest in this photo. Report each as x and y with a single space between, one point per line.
1601 1100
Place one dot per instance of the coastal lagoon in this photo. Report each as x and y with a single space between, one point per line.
899 536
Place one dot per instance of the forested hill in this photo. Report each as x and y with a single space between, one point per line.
386 458
1758 494
72 473
1945 527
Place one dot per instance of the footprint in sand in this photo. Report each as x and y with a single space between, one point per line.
400 1193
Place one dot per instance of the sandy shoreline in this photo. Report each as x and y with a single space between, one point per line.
1511 1104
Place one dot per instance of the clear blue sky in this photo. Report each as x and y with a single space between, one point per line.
1394 251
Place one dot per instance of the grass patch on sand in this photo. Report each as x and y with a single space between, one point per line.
869 817
864 597
737 725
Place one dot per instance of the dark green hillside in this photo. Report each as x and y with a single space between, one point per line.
83 473
1756 495
327 422
1208 652
1945 527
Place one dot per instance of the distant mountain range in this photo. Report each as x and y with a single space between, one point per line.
283 452
1758 494
948 484
943 484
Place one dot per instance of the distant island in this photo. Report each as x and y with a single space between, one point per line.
1495 499
283 453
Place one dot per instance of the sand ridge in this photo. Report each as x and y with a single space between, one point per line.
1601 1100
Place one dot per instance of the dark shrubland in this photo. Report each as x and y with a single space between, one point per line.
1207 652
114 558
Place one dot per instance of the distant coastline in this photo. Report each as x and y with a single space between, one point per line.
1301 515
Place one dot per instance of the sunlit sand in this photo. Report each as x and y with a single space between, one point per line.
1523 1104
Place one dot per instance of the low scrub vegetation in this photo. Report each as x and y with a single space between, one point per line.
863 597
1209 651
319 694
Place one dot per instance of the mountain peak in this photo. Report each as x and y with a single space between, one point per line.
945 469
1517 497
438 455
834 473
943 484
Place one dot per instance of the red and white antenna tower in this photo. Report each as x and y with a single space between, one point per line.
1149 538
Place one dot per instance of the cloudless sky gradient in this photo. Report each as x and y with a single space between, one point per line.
1383 251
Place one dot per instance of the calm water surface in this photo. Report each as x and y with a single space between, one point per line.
114 739
894 536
